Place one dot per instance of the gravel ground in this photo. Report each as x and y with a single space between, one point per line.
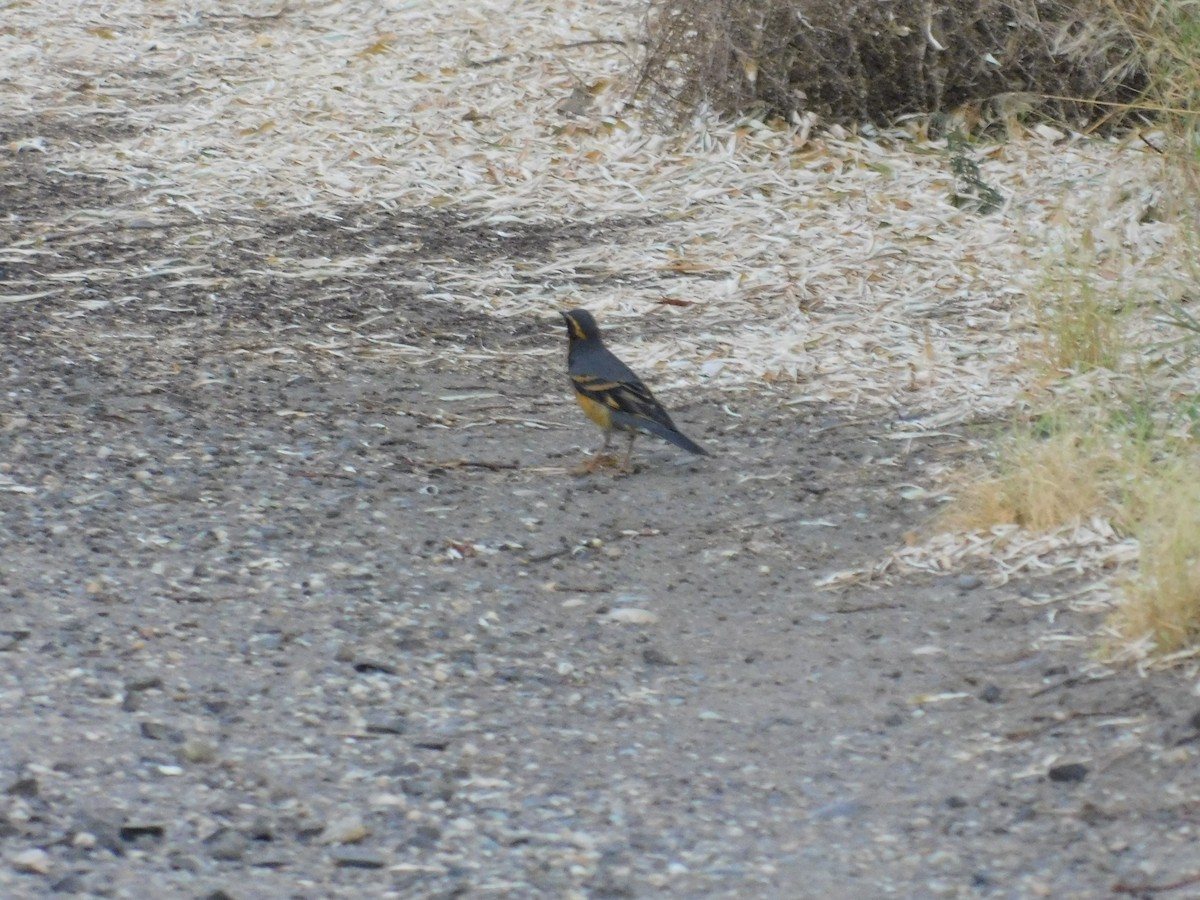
288 617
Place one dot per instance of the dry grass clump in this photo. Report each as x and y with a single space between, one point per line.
1079 327
863 60
1043 483
1161 606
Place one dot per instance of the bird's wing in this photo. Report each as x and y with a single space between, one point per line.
630 397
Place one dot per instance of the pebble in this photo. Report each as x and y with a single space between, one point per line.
269 859
387 725
101 831
990 694
631 616
271 640
23 787
968 582
358 859
652 656
69 884
839 809
143 683
226 844
198 750
34 861
1068 773
183 862
346 830
141 834
159 731
425 837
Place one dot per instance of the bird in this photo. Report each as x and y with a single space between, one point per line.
612 395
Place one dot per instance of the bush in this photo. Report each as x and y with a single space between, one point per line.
870 60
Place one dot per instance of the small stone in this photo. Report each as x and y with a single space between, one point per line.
184 862
387 725
358 859
143 683
631 615
105 832
261 829
374 665
23 787
198 750
158 731
1068 772
34 861
425 837
431 742
610 888
10 639
839 809
990 694
347 830
142 834
652 656
968 582
271 640
272 859
226 844
70 883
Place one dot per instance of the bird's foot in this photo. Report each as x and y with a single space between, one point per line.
599 461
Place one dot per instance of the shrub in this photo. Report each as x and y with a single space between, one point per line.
866 60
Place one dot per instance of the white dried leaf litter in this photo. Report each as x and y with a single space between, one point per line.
832 267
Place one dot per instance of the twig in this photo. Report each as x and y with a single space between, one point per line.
313 473
589 43
581 588
1147 142
495 60
458 464
1056 723
1068 682
550 554
479 464
570 548
1124 887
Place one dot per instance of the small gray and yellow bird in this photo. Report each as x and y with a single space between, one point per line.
611 395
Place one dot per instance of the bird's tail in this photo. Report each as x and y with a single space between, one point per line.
678 438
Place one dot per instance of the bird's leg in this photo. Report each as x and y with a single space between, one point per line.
627 466
601 459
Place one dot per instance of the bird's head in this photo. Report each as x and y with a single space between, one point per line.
581 326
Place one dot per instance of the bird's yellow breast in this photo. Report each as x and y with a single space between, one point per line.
596 411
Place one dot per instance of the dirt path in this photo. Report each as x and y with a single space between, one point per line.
295 607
